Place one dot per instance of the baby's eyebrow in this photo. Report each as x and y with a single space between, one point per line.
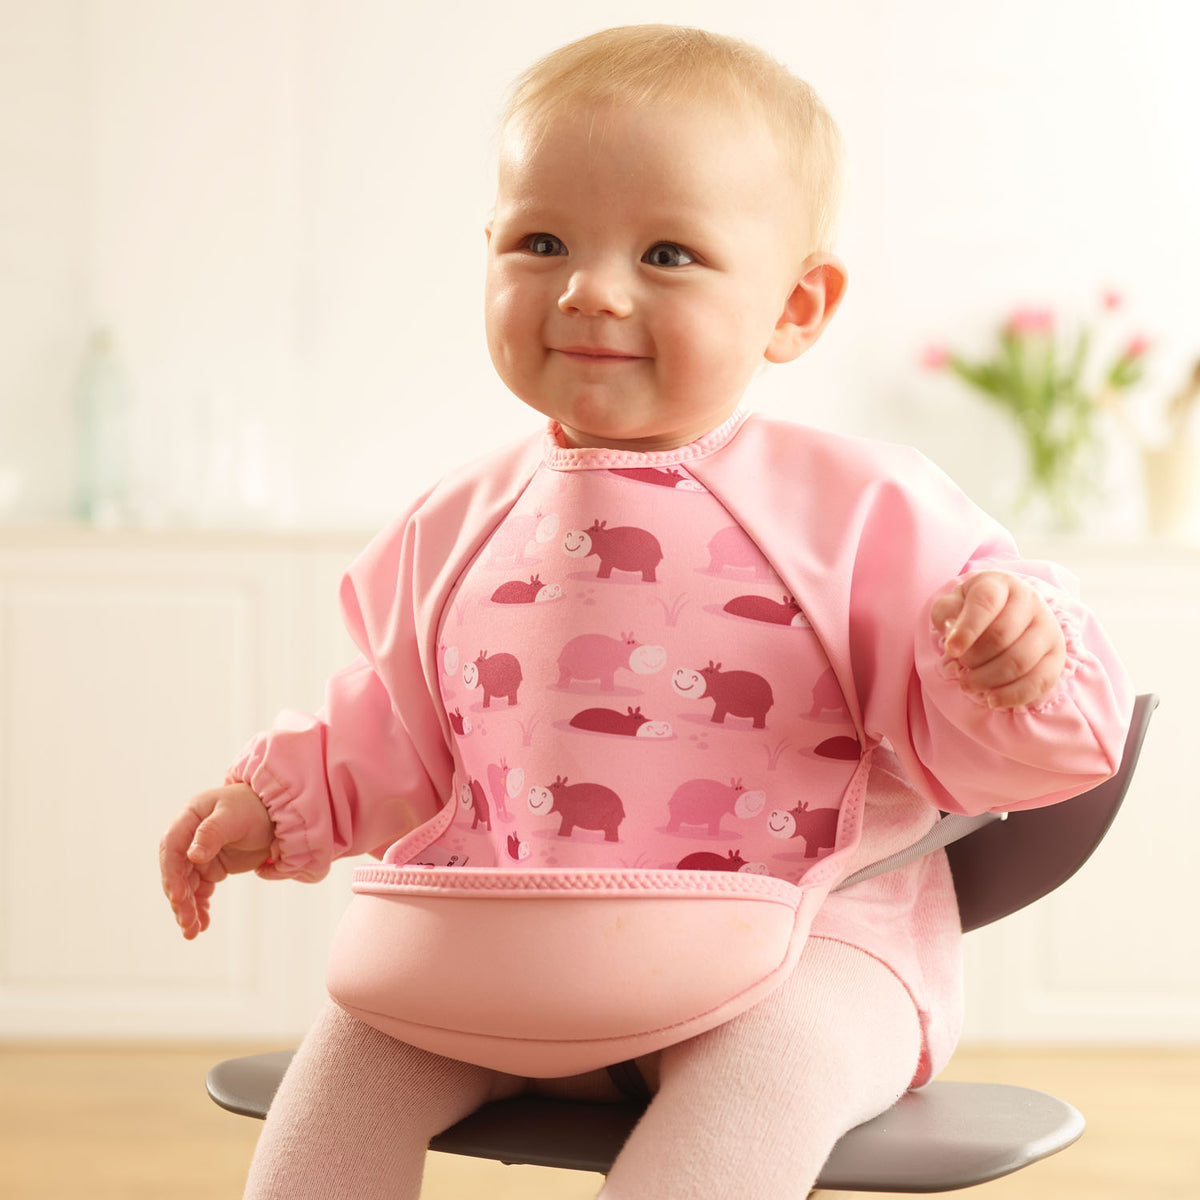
528 213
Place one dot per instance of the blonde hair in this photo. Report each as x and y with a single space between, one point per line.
638 65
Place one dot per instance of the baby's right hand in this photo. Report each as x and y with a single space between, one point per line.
221 832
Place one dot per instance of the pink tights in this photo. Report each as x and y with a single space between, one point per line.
747 1111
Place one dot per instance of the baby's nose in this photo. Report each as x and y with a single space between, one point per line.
596 291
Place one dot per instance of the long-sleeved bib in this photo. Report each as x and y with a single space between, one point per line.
718 659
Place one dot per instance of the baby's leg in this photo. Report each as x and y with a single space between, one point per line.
355 1112
751 1110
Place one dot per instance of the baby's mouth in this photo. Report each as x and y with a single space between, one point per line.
597 354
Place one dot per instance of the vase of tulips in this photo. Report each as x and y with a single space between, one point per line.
1054 382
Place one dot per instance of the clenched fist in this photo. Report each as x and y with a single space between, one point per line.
1001 637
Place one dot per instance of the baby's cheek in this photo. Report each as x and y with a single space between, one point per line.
702 367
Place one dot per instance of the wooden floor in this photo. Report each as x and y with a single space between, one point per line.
135 1124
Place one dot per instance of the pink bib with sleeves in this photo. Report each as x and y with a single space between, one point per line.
643 718
523 623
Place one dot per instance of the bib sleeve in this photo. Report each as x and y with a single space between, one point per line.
355 775
965 756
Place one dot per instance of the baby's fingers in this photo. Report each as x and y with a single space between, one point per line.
946 610
200 915
1034 685
981 599
997 611
1026 668
209 840
186 885
178 874
192 909
1005 641
181 893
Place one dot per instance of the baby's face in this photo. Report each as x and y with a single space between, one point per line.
638 264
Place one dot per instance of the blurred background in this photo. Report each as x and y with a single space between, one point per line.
276 209
241 261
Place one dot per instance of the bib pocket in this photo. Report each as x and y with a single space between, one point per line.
555 972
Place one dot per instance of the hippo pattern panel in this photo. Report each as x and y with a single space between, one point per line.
630 685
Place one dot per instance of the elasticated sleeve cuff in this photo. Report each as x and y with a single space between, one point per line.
1008 759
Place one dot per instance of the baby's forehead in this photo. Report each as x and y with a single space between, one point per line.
649 66
616 129
661 161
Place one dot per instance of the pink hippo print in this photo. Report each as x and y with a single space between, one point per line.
769 612
498 675
534 592
505 783
596 656
706 860
827 696
449 657
630 723
586 805
731 548
706 801
669 477
817 826
733 693
625 548
471 795
844 749
514 536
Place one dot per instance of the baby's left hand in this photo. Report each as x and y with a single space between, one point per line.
1002 637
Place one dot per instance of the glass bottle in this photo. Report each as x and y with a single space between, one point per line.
103 404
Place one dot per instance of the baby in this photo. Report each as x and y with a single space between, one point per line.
667 635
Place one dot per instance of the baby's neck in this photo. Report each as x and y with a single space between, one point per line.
575 439
571 439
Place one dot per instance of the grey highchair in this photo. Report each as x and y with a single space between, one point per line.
944 1137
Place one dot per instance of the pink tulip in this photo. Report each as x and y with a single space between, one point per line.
934 358
1111 299
1031 321
1137 346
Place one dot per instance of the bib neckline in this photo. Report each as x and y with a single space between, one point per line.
560 457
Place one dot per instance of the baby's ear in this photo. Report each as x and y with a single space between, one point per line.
809 308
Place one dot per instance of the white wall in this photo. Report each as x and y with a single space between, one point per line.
278 208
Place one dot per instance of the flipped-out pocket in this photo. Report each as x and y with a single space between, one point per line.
554 972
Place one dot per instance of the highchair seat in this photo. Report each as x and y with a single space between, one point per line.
943 1137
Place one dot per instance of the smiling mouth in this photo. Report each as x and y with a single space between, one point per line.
596 354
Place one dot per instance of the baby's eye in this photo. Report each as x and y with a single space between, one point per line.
667 254
544 245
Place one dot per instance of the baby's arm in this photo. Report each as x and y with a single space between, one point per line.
1017 709
1021 701
369 766
1002 638
220 832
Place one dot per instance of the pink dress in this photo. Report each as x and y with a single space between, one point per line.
587 658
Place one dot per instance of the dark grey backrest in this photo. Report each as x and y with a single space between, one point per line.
1009 864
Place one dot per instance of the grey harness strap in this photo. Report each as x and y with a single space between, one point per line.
945 830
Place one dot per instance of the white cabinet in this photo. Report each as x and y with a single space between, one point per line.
132 669
133 666
1115 953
